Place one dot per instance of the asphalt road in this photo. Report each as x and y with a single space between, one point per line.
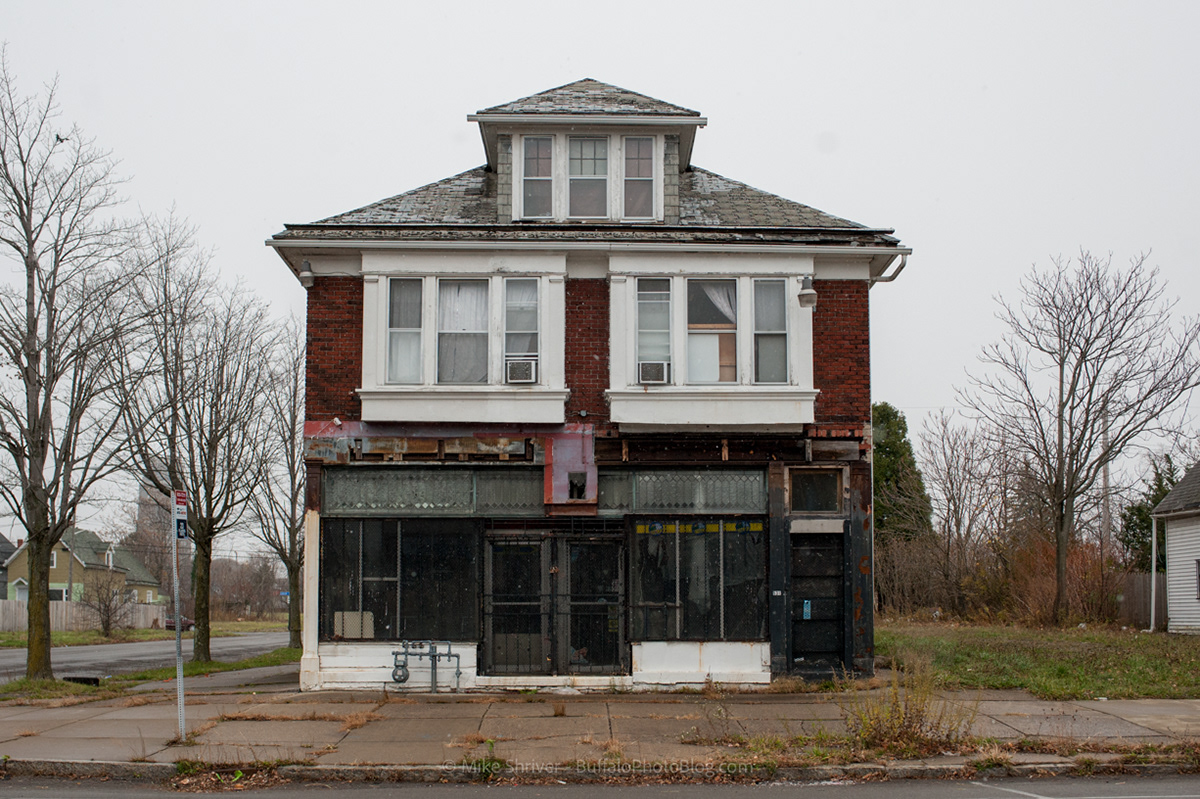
100 660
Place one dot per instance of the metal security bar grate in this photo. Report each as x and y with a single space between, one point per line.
683 491
413 491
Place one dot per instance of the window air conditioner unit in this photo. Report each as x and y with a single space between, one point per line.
653 371
520 371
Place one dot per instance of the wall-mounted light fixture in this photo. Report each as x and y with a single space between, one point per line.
807 295
307 278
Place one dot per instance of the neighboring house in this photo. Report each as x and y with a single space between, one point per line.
575 412
6 549
79 555
1180 512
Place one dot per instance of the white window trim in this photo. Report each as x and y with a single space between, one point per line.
743 404
494 401
54 559
560 169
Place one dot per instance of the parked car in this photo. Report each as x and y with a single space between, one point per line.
186 623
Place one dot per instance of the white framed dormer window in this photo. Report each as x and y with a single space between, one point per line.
108 558
693 346
466 345
584 177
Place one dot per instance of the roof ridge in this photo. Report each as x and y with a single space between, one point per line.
574 100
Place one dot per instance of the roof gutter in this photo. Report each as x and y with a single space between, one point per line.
896 274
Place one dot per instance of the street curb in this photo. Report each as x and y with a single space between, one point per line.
117 770
621 772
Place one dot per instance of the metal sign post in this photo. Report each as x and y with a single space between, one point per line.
179 517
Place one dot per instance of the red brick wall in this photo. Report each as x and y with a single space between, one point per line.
841 351
335 318
587 349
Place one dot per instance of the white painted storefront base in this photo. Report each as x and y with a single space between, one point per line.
656 666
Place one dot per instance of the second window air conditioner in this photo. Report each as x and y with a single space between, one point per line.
653 371
520 371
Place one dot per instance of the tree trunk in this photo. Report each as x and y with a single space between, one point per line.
294 570
37 663
201 572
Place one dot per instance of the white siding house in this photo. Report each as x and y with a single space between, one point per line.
1180 513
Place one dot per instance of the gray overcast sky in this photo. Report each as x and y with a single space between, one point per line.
990 135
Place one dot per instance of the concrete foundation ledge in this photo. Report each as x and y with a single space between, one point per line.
113 770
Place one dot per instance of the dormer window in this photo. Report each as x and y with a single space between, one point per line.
587 177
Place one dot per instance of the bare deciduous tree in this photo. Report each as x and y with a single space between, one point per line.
106 595
1091 363
279 506
197 421
60 331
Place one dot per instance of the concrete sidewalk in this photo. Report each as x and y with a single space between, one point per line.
257 716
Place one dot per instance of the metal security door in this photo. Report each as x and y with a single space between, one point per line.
516 607
554 606
590 617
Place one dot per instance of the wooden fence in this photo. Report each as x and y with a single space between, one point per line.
14 616
1135 600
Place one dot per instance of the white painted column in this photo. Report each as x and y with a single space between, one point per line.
310 662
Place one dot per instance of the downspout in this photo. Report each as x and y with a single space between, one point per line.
893 275
1153 572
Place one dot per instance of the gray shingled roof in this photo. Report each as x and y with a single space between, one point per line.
1184 496
706 200
90 548
590 96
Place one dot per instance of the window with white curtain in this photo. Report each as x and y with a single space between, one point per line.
404 331
462 350
770 332
712 331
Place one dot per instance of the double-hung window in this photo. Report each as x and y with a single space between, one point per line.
639 177
404 331
770 332
538 189
588 159
520 330
462 347
712 331
654 329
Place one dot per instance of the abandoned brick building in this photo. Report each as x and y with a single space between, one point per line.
587 415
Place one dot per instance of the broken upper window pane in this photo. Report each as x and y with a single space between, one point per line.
815 491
